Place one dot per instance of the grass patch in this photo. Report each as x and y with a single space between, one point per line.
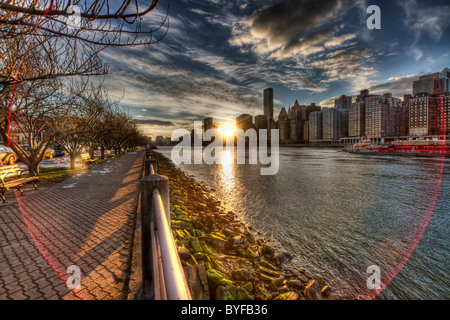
48 176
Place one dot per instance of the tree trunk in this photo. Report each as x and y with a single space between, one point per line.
72 161
91 150
33 168
102 150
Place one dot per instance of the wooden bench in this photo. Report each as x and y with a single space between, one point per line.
86 160
11 177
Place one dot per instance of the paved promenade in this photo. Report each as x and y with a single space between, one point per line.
85 223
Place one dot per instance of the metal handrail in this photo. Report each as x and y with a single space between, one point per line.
176 287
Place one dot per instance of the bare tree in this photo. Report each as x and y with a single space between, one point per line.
77 126
33 113
71 46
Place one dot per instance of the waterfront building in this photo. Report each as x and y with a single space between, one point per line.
268 105
260 122
330 124
296 131
433 84
284 125
315 126
445 123
424 115
382 116
306 131
343 122
343 102
244 122
404 116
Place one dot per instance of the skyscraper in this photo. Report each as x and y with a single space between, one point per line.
382 116
330 125
268 105
315 125
343 102
357 115
424 115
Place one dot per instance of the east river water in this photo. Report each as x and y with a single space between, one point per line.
338 214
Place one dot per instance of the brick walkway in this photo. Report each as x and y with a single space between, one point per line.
86 221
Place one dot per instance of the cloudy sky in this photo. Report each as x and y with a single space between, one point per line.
219 55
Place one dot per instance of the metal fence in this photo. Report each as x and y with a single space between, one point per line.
163 275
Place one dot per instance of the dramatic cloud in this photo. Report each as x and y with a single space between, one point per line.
286 26
219 55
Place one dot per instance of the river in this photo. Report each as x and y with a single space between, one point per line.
339 213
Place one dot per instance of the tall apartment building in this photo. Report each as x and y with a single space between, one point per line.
424 115
315 126
330 124
260 122
284 126
445 122
382 116
343 102
291 123
268 105
428 108
343 122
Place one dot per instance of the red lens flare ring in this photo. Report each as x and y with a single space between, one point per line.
61 270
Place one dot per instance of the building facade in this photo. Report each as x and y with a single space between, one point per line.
268 105
315 126
330 124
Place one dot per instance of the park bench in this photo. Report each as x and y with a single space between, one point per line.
86 160
11 177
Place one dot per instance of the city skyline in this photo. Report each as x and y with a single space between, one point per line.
217 58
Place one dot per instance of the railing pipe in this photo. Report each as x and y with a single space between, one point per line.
174 278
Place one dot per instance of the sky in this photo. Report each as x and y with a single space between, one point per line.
219 55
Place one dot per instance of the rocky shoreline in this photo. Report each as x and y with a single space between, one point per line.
225 259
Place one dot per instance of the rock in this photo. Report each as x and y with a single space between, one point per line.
221 293
311 290
269 271
291 295
217 241
240 241
267 251
282 258
241 275
273 286
262 294
196 245
326 291
301 270
181 224
265 277
231 292
217 278
183 253
297 284
197 282
250 254
268 265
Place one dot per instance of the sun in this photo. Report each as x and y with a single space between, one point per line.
227 129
